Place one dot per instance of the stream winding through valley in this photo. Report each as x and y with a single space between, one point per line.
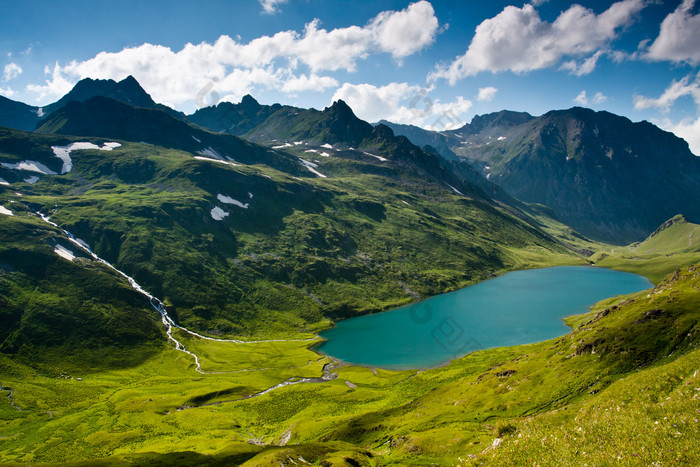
447 340
169 323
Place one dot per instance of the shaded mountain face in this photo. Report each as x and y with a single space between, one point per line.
18 115
236 119
609 178
128 91
337 126
25 117
104 117
441 141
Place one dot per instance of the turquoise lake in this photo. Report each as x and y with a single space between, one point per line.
517 308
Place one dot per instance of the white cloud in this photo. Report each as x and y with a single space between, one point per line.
487 93
405 32
585 67
518 40
679 37
403 103
56 86
230 68
689 128
671 94
374 103
271 6
582 98
308 83
6 92
11 71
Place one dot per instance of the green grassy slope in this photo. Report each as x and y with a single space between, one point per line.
61 315
551 402
675 244
304 250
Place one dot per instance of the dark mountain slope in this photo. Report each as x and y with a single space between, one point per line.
128 91
235 119
339 127
107 118
607 177
441 141
18 115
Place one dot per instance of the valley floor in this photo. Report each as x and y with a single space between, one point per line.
621 388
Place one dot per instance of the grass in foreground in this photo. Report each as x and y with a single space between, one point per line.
555 401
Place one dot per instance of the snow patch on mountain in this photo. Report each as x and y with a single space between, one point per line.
383 159
31 166
4 210
64 252
311 167
228 200
63 152
218 214
209 159
455 190
211 152
31 180
3 182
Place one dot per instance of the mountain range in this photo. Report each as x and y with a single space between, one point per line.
607 177
283 229
163 278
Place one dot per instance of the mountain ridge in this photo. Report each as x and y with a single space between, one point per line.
610 178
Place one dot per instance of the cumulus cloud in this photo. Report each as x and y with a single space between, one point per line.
55 85
679 36
689 128
584 67
405 32
308 83
403 103
271 6
487 93
229 67
11 71
599 98
6 92
518 40
676 90
581 99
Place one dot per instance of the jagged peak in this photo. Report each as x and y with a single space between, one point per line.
249 101
130 80
339 106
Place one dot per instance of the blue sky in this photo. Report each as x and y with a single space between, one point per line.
435 64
